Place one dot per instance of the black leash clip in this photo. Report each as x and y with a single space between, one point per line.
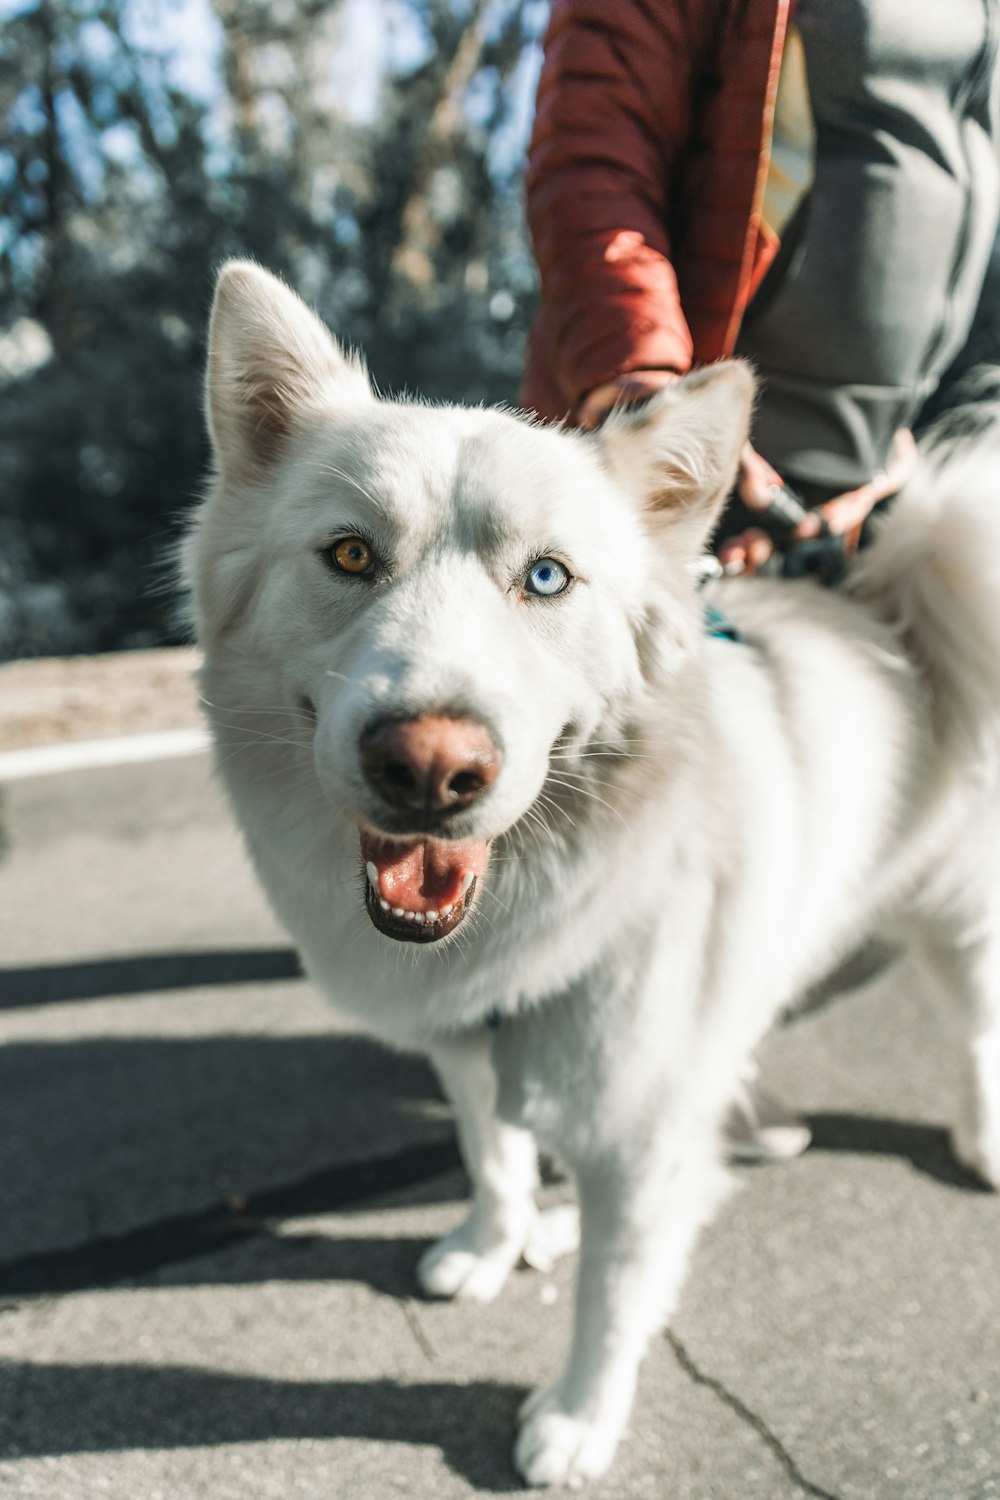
823 557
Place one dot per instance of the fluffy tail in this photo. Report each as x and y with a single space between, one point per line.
933 574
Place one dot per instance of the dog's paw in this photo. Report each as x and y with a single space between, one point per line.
450 1269
556 1446
473 1263
554 1232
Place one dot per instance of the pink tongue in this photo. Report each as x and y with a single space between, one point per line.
426 875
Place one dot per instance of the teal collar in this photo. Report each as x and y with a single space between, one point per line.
719 624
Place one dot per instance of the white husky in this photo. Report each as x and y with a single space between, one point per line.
470 719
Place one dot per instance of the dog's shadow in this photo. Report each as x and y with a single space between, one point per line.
386 1266
926 1147
104 1408
101 1408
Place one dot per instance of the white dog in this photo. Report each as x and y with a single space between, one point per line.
523 813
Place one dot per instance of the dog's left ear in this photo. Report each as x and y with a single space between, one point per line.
679 452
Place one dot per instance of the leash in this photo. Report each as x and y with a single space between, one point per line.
825 557
840 528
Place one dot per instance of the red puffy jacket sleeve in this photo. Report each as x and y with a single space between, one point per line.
614 120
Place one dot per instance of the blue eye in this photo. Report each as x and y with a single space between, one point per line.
547 577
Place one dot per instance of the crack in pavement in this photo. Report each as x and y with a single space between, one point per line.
417 1329
750 1418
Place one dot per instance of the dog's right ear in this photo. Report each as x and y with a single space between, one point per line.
271 364
678 454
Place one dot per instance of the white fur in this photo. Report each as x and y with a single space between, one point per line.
686 831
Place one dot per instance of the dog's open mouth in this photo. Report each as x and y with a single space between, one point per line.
420 890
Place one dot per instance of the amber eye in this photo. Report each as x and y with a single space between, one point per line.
352 555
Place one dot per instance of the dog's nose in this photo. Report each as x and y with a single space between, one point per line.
434 764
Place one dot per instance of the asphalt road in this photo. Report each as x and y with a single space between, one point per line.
212 1195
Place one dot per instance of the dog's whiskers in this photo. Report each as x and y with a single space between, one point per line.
620 755
535 816
556 807
583 781
585 792
494 897
262 737
252 741
272 710
349 479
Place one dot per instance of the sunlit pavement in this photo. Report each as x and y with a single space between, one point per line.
212 1195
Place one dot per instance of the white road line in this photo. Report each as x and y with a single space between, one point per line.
47 760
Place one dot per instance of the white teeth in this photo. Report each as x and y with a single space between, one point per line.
467 880
372 873
422 918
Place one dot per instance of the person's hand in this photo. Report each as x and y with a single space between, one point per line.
755 483
844 515
637 385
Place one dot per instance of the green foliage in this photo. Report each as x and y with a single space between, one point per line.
122 187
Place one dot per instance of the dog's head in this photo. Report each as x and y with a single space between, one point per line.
450 604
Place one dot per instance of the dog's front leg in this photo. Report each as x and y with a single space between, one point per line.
641 1210
503 1222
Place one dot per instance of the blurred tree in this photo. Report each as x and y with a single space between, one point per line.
369 150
